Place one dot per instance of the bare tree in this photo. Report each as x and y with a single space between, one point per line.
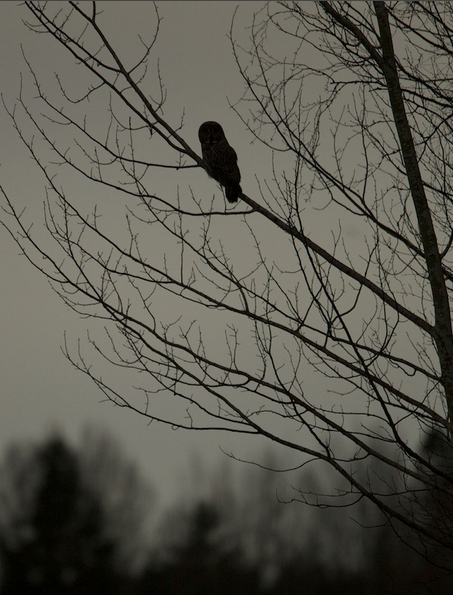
315 314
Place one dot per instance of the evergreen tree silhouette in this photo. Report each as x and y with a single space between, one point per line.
204 563
64 551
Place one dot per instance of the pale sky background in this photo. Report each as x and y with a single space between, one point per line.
39 388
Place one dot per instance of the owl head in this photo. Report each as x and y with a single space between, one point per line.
210 133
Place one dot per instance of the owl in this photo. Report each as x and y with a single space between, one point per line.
219 159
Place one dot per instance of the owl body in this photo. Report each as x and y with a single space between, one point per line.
220 159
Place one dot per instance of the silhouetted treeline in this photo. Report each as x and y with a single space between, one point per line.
72 520
58 545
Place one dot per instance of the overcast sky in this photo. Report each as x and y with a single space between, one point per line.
40 390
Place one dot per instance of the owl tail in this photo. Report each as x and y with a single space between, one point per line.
232 192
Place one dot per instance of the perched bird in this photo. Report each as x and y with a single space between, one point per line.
220 159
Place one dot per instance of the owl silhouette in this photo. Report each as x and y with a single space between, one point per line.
220 159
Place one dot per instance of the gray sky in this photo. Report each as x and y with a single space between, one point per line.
40 390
